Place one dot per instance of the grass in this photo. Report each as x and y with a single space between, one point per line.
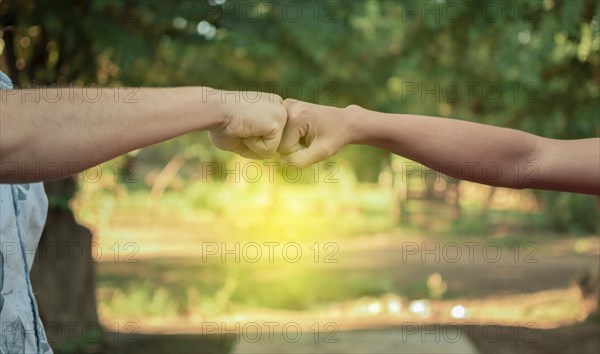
193 292
152 267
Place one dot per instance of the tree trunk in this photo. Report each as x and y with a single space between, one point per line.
589 286
399 192
63 275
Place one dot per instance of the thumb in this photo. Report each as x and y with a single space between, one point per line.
307 156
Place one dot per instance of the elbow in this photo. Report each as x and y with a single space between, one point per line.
526 170
17 150
9 166
17 160
519 168
11 171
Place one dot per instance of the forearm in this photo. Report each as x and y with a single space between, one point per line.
482 153
465 150
75 133
569 165
476 152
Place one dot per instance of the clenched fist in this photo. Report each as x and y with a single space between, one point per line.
313 132
253 124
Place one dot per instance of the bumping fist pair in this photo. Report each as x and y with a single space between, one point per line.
303 133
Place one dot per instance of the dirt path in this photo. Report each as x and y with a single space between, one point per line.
577 339
543 266
474 267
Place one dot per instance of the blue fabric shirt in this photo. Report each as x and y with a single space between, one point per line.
23 210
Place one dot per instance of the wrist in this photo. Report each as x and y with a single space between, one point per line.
357 129
215 110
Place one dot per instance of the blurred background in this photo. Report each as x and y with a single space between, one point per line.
141 252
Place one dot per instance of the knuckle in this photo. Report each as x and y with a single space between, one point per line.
282 115
296 111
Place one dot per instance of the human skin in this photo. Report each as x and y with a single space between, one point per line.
465 150
42 139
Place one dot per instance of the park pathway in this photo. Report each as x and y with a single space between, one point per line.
390 341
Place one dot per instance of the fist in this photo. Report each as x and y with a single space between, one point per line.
313 133
253 126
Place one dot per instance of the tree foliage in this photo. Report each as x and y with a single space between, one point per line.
530 65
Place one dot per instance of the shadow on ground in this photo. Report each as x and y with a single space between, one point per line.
581 338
